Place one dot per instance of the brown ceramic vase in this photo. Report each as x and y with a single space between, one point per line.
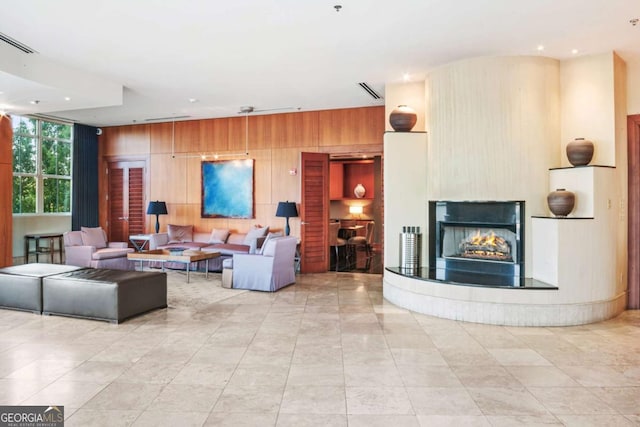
561 202
403 118
580 152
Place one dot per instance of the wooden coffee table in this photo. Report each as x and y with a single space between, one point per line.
164 255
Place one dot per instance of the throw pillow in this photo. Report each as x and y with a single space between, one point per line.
93 236
180 233
269 237
219 235
251 239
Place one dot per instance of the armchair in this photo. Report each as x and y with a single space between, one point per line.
89 248
269 271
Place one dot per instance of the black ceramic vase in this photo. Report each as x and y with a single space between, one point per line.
403 118
561 202
580 152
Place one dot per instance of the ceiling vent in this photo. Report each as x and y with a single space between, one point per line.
166 119
370 91
20 46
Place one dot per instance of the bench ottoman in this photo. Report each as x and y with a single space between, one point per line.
21 285
102 294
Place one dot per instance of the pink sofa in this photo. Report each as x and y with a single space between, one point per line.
219 240
89 248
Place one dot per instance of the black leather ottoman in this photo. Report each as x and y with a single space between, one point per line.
112 295
21 285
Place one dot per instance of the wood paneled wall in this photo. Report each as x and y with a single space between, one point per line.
6 190
173 153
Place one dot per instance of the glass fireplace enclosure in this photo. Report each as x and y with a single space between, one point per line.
477 242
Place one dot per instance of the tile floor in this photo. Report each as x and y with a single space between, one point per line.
328 351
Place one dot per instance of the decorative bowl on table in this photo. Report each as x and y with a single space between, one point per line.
177 251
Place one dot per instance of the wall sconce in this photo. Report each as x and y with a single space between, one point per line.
355 210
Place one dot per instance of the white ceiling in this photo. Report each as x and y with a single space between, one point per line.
272 53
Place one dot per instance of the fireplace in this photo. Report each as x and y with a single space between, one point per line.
479 243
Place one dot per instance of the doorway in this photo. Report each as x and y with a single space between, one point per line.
633 252
126 194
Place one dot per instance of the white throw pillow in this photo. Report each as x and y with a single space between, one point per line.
251 239
93 237
219 235
180 233
269 237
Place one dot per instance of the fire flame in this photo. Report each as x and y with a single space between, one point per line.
486 246
486 240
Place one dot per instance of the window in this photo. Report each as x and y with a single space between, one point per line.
41 166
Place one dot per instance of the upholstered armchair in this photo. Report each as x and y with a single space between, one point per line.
269 271
89 248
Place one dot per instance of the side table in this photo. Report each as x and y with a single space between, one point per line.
140 241
38 250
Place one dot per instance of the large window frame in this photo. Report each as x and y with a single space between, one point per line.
57 180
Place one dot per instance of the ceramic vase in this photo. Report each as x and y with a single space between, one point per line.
561 202
359 191
403 118
580 152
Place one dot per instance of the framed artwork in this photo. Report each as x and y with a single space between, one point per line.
227 189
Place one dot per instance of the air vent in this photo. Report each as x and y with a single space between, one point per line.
370 91
20 46
166 119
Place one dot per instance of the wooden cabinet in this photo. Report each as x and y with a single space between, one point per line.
346 174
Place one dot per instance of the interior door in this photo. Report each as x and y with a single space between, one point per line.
126 200
633 252
314 213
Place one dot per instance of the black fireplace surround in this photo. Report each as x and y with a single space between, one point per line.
477 242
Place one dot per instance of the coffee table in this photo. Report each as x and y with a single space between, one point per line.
164 255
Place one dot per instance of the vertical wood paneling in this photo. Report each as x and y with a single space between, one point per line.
126 140
160 136
276 142
633 275
352 126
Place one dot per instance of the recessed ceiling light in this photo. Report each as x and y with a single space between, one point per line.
406 77
192 100
66 98
34 102
540 48
574 51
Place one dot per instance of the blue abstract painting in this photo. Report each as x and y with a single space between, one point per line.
227 189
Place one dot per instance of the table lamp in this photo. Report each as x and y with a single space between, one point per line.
157 208
287 210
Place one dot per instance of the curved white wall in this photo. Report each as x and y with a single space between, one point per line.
494 131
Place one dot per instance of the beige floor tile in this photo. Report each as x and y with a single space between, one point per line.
125 396
625 400
249 399
313 400
518 357
428 376
157 418
570 400
102 418
595 421
309 355
150 371
71 394
378 400
383 421
453 421
185 398
316 375
204 374
442 401
503 401
247 419
312 420
259 375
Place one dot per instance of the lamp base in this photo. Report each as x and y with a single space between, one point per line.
157 223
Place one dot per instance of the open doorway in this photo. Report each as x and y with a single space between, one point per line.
356 198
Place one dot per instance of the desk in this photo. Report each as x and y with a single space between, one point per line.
140 241
38 250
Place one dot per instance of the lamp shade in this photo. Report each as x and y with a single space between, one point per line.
157 208
287 210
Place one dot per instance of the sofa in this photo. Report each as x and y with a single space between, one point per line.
225 241
89 248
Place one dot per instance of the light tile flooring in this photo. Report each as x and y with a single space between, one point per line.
328 351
